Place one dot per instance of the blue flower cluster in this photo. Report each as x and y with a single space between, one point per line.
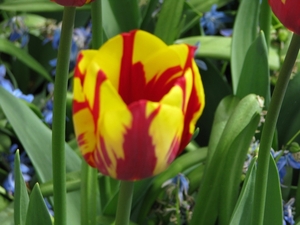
213 22
26 169
6 84
81 40
18 31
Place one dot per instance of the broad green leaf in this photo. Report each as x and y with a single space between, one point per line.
273 215
205 5
7 215
9 48
233 167
243 209
147 21
207 201
128 19
36 139
33 6
244 33
167 27
37 209
220 48
222 114
255 71
110 24
21 199
289 117
273 208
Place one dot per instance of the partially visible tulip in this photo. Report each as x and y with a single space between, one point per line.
288 12
136 103
72 2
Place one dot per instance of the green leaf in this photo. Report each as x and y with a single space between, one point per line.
167 27
207 202
245 31
273 209
243 209
128 19
36 139
232 170
21 196
289 117
205 5
223 112
33 6
7 215
255 72
9 48
273 215
37 209
220 48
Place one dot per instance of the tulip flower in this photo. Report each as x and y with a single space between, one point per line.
72 2
136 102
287 11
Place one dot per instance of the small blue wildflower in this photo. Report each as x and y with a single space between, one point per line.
27 171
286 159
48 109
80 40
18 30
183 185
6 84
213 21
288 217
48 112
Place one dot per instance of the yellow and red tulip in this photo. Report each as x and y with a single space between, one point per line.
72 2
288 12
136 102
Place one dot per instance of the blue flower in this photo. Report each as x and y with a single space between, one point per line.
80 40
26 169
286 159
18 30
6 84
48 108
288 217
181 182
213 21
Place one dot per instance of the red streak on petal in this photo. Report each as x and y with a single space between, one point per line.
139 152
193 105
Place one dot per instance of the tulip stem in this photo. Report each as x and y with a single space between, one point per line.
269 129
59 116
89 185
124 203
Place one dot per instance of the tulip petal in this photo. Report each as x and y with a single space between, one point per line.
149 143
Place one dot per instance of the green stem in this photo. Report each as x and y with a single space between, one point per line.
97 31
124 203
89 185
269 129
59 116
88 195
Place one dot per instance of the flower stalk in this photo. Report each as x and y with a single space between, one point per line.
268 131
59 116
124 203
89 185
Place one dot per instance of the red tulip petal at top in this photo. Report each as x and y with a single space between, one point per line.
72 2
288 12
136 102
